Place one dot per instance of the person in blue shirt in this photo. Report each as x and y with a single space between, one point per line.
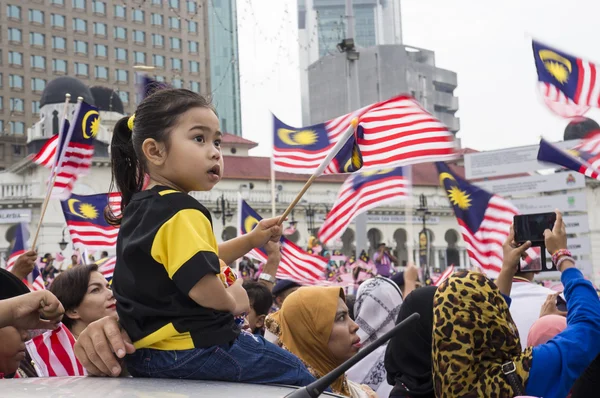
476 346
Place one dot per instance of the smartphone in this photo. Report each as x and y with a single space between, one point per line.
531 227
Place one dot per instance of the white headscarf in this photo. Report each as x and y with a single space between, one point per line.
376 308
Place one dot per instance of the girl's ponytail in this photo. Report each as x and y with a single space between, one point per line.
127 170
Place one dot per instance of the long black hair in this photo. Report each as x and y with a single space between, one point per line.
154 118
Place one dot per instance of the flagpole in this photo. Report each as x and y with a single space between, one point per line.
408 211
334 151
54 172
273 209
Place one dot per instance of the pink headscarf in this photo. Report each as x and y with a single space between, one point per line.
545 328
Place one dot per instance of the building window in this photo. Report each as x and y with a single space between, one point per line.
175 43
15 36
79 25
139 37
17 105
174 4
100 29
121 54
80 47
36 17
195 86
139 58
35 107
157 19
1 106
192 7
60 3
1 123
15 58
160 79
120 12
121 75
192 26
17 128
37 39
1 80
120 33
15 82
174 23
38 62
193 47
38 84
158 40
100 50
79 5
157 2
13 12
176 63
99 7
124 95
101 72
59 43
57 21
194 67
177 83
138 16
82 69
59 66
158 61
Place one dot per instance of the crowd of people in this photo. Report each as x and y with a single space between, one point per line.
174 309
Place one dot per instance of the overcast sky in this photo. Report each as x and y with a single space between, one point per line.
488 43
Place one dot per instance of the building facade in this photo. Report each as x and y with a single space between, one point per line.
224 64
383 72
99 43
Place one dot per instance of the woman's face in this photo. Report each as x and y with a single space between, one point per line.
98 301
343 341
12 349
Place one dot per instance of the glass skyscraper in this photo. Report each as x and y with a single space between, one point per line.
224 65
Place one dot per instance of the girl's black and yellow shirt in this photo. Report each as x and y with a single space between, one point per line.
165 246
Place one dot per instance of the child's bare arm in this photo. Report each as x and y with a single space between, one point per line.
209 292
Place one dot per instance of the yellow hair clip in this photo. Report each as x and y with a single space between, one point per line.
130 122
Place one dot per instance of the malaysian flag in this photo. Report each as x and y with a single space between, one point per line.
569 85
75 150
53 355
295 264
147 85
18 249
34 280
47 155
361 192
577 159
389 134
484 220
445 275
85 219
106 266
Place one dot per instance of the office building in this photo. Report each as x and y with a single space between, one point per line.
384 72
99 43
224 65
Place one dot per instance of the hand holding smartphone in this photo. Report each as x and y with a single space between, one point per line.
531 227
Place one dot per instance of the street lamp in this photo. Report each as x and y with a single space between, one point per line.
310 216
424 237
63 243
223 209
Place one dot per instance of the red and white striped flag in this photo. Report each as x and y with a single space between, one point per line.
47 155
53 355
84 215
392 133
445 275
106 266
362 192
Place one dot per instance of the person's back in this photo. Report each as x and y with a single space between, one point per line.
527 300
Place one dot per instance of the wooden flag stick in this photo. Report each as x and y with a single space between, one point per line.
334 151
53 174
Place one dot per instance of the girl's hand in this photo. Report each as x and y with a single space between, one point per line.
266 230
549 307
557 238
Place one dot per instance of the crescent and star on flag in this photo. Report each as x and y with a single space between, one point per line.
457 196
82 209
557 65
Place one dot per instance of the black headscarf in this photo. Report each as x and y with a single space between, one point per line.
589 382
408 354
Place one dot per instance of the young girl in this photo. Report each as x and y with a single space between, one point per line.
170 299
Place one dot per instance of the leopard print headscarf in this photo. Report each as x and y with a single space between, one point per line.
473 335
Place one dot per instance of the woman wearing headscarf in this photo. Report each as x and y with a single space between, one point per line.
314 325
476 347
377 305
408 354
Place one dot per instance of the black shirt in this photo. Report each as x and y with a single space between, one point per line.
165 246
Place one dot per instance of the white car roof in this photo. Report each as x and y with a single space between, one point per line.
126 387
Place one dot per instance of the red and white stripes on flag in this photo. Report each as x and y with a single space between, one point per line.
106 267
300 266
559 103
444 275
46 156
53 355
114 202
